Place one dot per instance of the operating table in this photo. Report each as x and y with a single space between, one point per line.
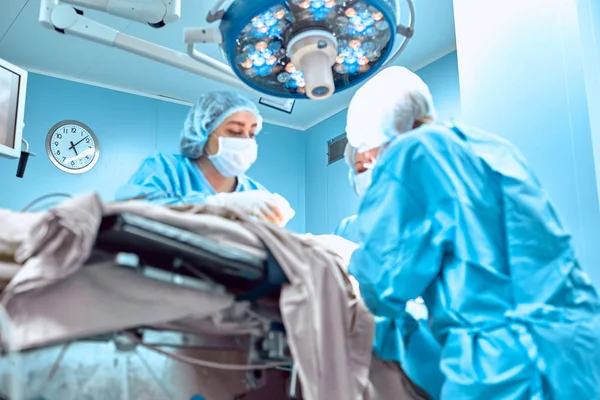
179 257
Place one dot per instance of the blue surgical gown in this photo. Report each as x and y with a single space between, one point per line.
458 217
403 339
348 229
174 179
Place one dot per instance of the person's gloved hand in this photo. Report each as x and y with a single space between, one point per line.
287 212
261 204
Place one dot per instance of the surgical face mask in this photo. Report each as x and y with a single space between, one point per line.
235 156
362 181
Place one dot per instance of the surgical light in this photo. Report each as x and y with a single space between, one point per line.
290 49
307 48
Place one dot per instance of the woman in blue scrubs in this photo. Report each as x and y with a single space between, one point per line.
456 215
218 146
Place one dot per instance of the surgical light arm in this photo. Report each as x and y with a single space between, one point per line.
64 18
156 13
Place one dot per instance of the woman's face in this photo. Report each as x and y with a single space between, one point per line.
241 125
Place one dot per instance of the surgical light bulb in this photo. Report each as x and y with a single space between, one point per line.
350 12
359 7
381 25
340 69
377 16
290 68
279 14
283 77
256 22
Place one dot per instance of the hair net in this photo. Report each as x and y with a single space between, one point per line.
207 114
387 105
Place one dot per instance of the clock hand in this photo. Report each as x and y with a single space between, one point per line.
73 148
80 141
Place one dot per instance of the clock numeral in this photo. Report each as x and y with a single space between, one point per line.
72 162
87 140
87 157
64 158
73 130
56 143
65 130
58 136
58 152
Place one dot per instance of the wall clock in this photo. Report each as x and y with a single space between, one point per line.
72 147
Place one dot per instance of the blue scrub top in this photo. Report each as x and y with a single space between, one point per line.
403 339
457 217
174 179
348 229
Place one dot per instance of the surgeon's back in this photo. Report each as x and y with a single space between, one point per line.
457 215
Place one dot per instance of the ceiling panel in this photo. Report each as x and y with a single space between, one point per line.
121 69
191 86
10 11
30 45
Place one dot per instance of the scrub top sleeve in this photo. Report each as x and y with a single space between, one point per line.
403 238
152 182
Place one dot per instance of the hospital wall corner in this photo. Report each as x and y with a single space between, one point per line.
129 129
529 72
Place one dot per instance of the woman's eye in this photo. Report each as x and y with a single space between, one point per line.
236 134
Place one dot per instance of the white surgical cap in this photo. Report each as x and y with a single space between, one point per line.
387 105
207 114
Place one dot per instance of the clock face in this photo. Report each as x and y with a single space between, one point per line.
72 147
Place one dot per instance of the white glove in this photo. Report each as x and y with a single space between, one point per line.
286 210
262 204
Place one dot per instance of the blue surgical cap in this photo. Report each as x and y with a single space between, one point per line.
207 114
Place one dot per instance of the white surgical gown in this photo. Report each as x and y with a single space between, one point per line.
458 217
174 179
405 339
